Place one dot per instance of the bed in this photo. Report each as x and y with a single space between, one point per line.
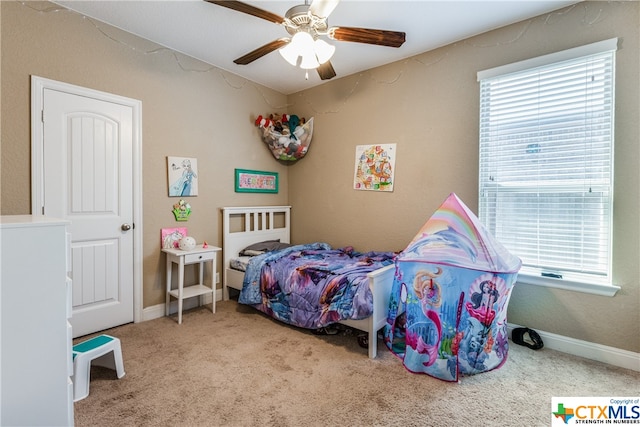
243 226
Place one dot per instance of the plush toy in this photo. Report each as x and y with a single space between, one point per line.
294 121
284 141
263 122
277 122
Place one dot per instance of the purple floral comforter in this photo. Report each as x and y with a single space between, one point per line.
312 285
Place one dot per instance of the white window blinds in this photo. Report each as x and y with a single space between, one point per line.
546 161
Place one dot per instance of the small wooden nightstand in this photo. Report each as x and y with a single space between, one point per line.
198 255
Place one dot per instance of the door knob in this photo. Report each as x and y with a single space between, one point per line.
125 227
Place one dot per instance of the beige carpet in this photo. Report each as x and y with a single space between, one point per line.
240 368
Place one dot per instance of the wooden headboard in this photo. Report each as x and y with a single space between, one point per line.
242 226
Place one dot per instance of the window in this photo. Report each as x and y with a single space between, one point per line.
546 164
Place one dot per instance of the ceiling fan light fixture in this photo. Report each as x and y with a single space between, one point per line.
300 44
324 51
304 42
290 53
309 60
311 53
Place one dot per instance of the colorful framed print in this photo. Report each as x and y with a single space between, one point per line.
250 181
375 167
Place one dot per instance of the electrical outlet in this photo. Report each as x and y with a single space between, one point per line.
217 277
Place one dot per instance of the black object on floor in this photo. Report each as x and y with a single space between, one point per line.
327 330
527 337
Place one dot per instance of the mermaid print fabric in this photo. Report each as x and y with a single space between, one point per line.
448 307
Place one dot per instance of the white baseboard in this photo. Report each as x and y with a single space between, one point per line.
592 351
588 350
157 311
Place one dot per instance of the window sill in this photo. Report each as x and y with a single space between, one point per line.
589 288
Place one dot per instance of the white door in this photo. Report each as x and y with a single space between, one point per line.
87 179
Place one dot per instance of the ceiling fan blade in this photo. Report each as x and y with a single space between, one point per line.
366 35
261 51
326 71
250 10
323 8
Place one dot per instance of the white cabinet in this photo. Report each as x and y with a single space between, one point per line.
36 343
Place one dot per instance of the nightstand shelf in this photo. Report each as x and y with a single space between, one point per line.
199 255
191 291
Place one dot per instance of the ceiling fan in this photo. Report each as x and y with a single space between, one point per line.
306 24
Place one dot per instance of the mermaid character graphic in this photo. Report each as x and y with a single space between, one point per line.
481 304
424 337
426 287
481 336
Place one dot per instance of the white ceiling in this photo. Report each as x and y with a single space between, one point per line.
218 35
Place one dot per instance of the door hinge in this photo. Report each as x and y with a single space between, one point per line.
42 116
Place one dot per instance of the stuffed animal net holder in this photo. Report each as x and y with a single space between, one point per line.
289 141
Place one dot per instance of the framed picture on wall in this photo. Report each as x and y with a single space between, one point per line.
182 173
375 167
250 181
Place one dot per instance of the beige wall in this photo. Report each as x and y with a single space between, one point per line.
427 104
188 108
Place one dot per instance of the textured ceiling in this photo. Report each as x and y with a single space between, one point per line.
218 35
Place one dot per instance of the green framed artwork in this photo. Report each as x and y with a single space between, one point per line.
251 181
